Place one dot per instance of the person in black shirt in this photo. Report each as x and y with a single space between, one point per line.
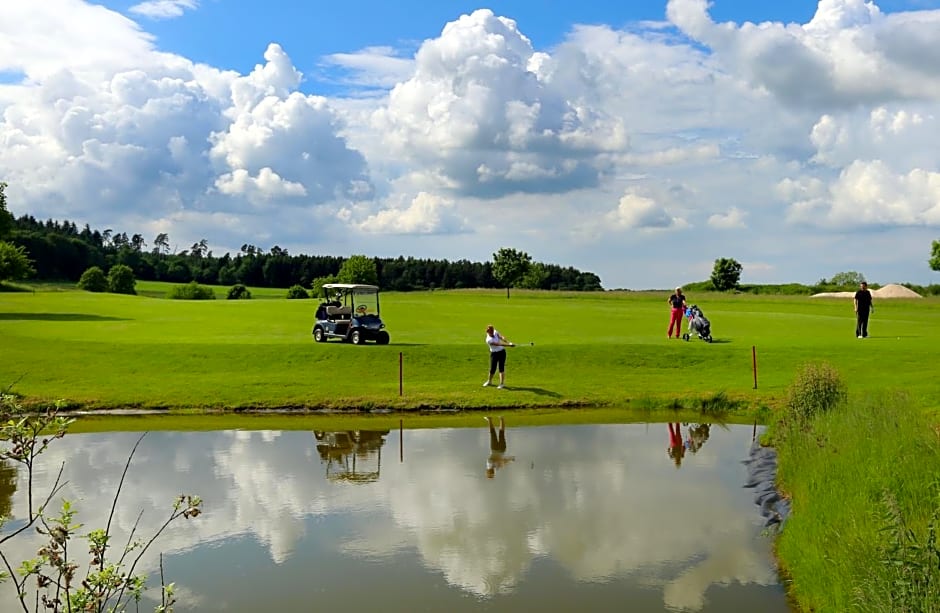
863 307
677 302
498 457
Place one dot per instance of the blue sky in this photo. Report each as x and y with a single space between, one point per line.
637 140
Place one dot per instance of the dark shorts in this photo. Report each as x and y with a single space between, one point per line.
498 361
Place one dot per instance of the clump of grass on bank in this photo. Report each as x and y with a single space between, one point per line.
862 477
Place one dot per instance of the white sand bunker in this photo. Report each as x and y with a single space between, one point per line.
892 290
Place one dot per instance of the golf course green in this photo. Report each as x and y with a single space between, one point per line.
605 349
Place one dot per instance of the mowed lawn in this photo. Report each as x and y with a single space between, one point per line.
609 348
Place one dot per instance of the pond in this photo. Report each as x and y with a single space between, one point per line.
590 517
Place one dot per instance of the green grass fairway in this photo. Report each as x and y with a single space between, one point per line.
607 349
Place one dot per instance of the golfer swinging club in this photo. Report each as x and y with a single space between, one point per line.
497 344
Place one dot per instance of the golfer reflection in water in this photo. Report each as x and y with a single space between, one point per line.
498 457
676 448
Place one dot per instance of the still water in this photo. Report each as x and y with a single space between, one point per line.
593 518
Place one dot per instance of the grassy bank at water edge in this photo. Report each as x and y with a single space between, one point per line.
864 480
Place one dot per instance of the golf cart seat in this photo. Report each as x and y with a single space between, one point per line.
339 312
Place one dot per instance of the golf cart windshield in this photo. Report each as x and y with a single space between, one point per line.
360 299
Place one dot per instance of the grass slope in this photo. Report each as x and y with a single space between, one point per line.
609 349
866 495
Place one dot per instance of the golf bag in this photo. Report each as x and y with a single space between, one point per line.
698 324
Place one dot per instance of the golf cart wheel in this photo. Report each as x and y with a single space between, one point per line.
685 337
318 335
708 338
356 338
382 338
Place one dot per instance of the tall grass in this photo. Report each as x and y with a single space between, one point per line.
863 479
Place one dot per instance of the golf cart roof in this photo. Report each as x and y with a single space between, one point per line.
352 287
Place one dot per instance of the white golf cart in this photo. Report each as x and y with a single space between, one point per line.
349 312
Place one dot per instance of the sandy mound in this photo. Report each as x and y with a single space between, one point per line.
895 291
834 295
892 290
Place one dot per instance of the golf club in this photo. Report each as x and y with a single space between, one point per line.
522 345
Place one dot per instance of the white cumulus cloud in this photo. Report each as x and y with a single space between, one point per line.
425 214
163 9
635 211
478 113
733 218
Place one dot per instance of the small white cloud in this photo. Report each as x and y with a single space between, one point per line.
163 9
268 185
377 67
734 218
426 214
635 211
673 155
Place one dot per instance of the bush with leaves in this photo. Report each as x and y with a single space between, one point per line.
121 280
14 262
238 292
297 292
53 580
93 280
319 282
816 389
191 291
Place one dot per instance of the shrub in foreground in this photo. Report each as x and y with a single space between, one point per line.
58 579
238 292
93 280
817 389
14 262
121 280
191 291
297 292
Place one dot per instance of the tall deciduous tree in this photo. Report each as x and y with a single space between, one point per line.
358 269
510 266
726 274
935 256
847 279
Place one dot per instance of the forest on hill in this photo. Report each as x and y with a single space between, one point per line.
60 251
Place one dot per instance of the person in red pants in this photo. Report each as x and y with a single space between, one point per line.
677 304
676 448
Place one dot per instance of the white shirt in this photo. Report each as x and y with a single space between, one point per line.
494 341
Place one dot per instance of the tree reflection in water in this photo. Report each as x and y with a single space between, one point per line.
7 487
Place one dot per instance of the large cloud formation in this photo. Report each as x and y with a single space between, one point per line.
480 113
770 136
872 82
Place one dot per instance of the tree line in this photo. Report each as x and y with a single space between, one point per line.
62 251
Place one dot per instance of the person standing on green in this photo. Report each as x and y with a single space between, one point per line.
497 344
863 308
677 303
